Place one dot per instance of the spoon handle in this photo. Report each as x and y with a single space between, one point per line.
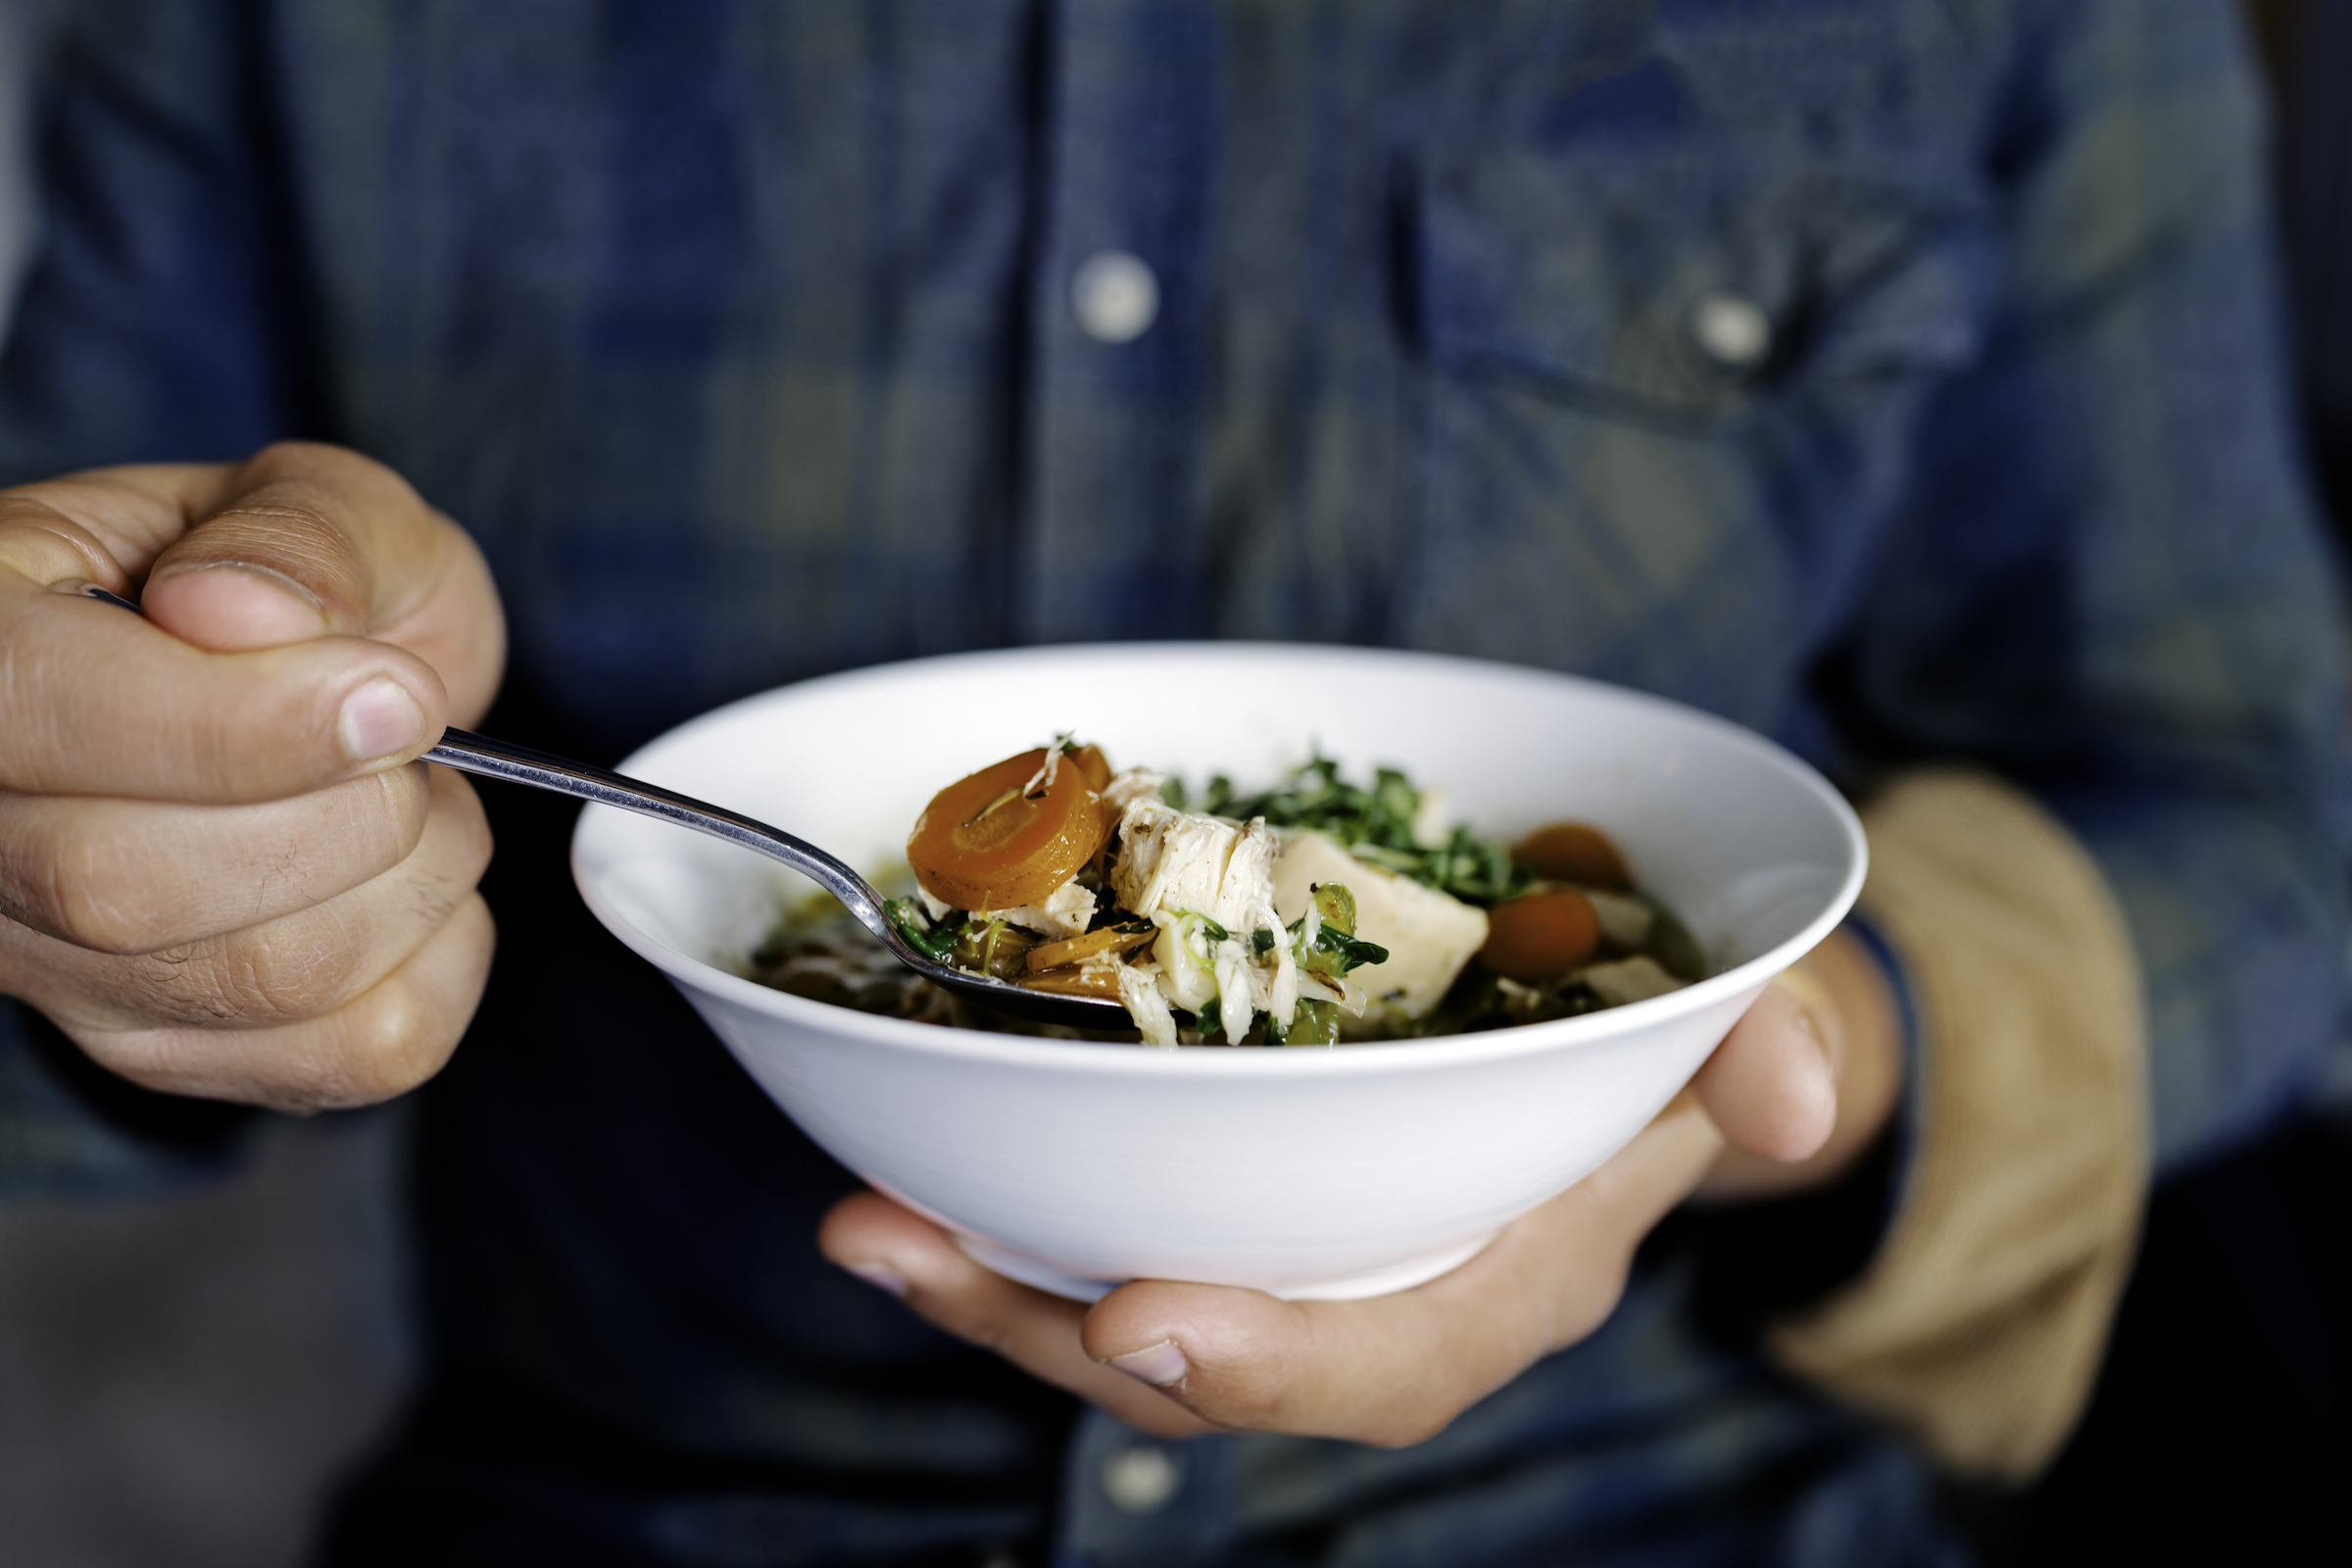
490 757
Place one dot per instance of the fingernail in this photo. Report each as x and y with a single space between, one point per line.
1156 1364
258 605
879 1276
378 720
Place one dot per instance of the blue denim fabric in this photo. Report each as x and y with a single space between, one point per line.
739 334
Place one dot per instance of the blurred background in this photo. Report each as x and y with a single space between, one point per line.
183 1376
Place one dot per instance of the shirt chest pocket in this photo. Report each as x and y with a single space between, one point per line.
1664 405
1683 291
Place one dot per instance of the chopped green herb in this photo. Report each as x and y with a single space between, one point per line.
1208 929
1261 942
1375 824
1350 953
1211 1019
910 921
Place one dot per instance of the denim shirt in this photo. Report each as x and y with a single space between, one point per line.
1899 378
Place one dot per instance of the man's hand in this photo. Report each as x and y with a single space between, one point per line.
1796 1092
217 876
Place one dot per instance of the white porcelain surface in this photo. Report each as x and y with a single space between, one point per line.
1339 1172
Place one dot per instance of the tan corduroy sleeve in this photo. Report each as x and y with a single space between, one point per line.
1979 1327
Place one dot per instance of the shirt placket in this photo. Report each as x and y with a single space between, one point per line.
1110 543
1119 320
1132 1501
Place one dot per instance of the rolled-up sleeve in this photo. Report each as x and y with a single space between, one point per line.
2102 661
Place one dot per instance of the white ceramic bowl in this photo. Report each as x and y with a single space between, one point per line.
1336 1172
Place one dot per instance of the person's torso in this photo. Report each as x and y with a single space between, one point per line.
759 341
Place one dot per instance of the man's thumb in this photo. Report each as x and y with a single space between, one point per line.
308 541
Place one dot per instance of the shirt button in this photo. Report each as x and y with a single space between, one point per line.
1734 332
1141 1480
1114 297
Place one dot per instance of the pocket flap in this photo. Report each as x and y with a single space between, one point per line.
1671 286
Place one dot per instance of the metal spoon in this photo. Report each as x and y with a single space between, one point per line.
519 764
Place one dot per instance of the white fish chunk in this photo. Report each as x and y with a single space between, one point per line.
1187 873
1134 784
1624 921
1170 859
1065 912
1635 979
1430 935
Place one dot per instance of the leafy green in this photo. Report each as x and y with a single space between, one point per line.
1316 1023
1211 1019
1335 950
1208 929
1261 942
1350 953
1375 823
933 943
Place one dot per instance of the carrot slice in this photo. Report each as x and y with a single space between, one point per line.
1539 936
1003 836
1094 764
1574 851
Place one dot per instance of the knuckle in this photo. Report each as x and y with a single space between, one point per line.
56 885
377 822
253 978
186 984
404 1031
395 1040
403 803
471 848
91 915
43 542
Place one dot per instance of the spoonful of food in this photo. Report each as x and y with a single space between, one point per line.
481 755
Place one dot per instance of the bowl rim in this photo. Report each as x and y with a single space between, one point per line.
1374 1057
